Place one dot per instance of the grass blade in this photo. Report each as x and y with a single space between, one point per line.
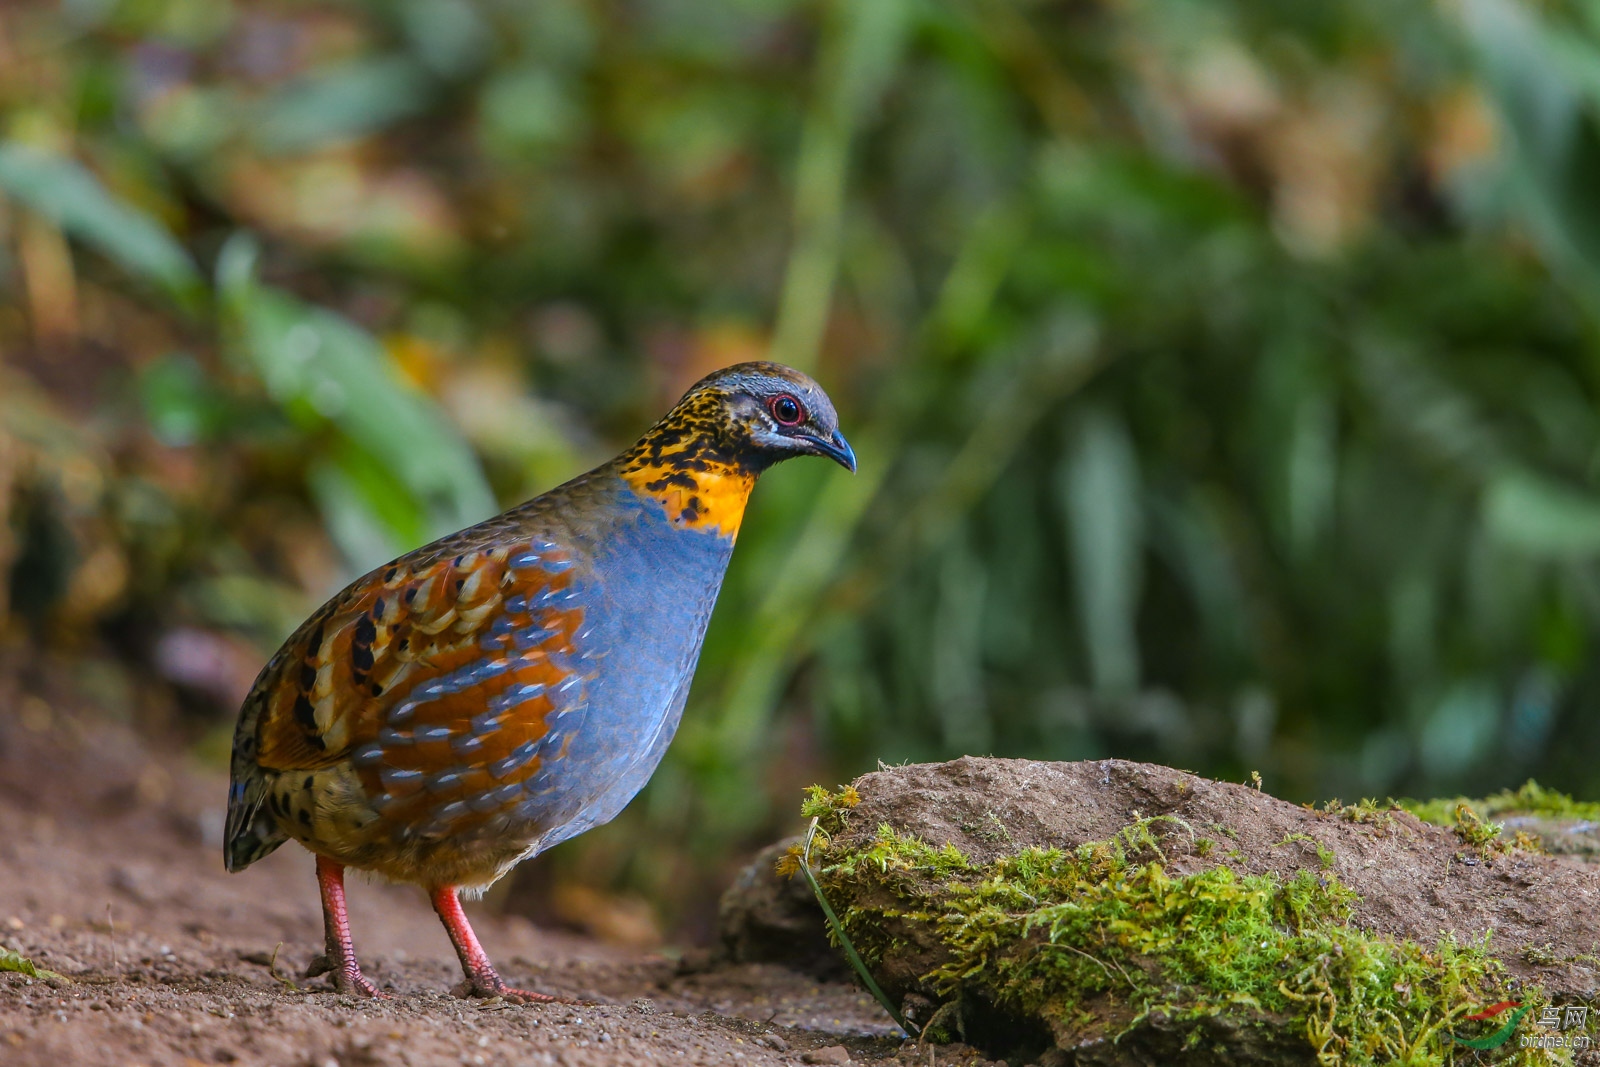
850 952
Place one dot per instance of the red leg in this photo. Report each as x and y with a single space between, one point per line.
482 981
340 959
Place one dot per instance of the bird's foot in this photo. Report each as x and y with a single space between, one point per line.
346 979
490 986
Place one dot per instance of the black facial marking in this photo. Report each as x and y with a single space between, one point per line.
714 427
305 817
310 780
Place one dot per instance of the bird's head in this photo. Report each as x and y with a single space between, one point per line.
761 413
701 460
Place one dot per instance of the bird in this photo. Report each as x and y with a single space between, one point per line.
485 697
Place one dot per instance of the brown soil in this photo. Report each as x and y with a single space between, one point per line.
110 873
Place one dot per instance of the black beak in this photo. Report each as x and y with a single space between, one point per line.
837 449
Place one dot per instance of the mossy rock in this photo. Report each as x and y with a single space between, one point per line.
1559 823
767 918
1111 912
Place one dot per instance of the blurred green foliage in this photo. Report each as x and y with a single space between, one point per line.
1223 374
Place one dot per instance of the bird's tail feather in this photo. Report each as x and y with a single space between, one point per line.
252 832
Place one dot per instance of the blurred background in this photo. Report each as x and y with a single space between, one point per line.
1224 373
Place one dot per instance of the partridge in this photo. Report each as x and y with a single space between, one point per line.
487 696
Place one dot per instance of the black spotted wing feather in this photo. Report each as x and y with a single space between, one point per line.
425 687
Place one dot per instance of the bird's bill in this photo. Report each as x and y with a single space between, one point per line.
836 449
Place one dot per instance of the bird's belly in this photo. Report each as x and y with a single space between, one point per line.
652 598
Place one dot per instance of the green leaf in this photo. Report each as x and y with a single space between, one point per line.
344 103
20 964
1530 512
63 191
366 518
321 366
1538 79
179 402
1460 727
1100 491
860 53
528 110
448 35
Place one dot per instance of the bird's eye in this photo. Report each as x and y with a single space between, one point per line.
787 410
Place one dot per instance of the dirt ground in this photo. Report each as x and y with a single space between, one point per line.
110 873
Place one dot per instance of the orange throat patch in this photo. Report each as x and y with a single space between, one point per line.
689 462
712 498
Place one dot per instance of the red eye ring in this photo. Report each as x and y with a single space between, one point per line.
786 409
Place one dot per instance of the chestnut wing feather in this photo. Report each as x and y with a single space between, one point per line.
406 663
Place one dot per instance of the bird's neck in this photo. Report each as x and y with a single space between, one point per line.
688 464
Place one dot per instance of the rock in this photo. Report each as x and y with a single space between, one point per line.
765 917
695 960
837 1055
1175 852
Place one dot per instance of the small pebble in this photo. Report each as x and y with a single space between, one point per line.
836 1055
773 1041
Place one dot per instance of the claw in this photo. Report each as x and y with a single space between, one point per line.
481 979
467 989
358 984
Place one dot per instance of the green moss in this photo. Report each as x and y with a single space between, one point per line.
829 809
1094 940
1531 799
1473 820
1325 855
1367 811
